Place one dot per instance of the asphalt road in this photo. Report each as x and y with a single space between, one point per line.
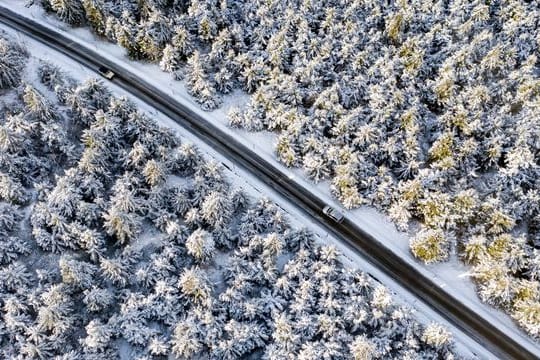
448 306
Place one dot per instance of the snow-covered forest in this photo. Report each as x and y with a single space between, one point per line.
426 110
117 240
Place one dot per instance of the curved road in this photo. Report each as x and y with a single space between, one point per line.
448 306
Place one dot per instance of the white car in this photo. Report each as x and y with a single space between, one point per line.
106 73
333 214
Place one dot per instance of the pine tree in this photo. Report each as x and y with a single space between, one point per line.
199 85
437 336
118 269
12 190
13 59
153 36
182 42
315 167
154 173
216 209
200 244
186 340
125 33
77 273
194 284
171 60
14 277
70 11
97 299
430 245
11 248
123 225
94 15
56 311
527 314
98 336
158 346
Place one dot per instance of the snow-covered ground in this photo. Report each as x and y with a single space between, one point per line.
452 276
255 188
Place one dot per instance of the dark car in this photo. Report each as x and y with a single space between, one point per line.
106 73
333 214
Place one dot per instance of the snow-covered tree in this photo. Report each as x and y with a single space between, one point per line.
77 273
194 284
430 245
98 299
123 225
186 340
98 336
216 209
70 11
200 244
13 60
